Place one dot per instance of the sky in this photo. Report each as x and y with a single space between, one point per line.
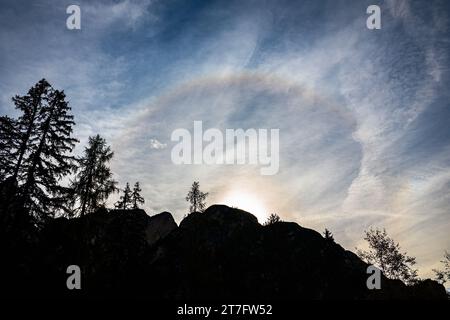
363 115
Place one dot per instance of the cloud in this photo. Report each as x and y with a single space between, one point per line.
128 13
155 144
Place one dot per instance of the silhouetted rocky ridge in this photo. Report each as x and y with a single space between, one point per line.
222 253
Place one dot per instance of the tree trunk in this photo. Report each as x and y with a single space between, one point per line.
37 155
23 147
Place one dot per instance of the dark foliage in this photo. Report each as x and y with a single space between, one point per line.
443 275
196 198
386 254
93 182
136 197
328 235
273 218
125 201
36 149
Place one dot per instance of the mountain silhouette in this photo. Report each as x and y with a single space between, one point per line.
222 253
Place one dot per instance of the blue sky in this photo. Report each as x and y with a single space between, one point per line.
363 114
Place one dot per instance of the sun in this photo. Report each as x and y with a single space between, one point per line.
248 202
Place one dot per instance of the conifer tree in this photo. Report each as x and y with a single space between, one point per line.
125 201
328 235
136 197
93 181
48 157
36 148
196 198
31 106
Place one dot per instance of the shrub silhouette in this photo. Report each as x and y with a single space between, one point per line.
273 218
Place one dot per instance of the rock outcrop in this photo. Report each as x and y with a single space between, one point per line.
158 227
226 254
221 254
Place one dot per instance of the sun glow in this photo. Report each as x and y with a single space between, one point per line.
248 202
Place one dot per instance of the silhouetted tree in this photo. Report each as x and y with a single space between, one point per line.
328 235
442 276
39 144
136 197
93 181
196 198
386 255
125 201
271 219
50 156
31 107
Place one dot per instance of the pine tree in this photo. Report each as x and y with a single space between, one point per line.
196 198
39 145
136 197
328 235
49 156
31 106
125 201
93 181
